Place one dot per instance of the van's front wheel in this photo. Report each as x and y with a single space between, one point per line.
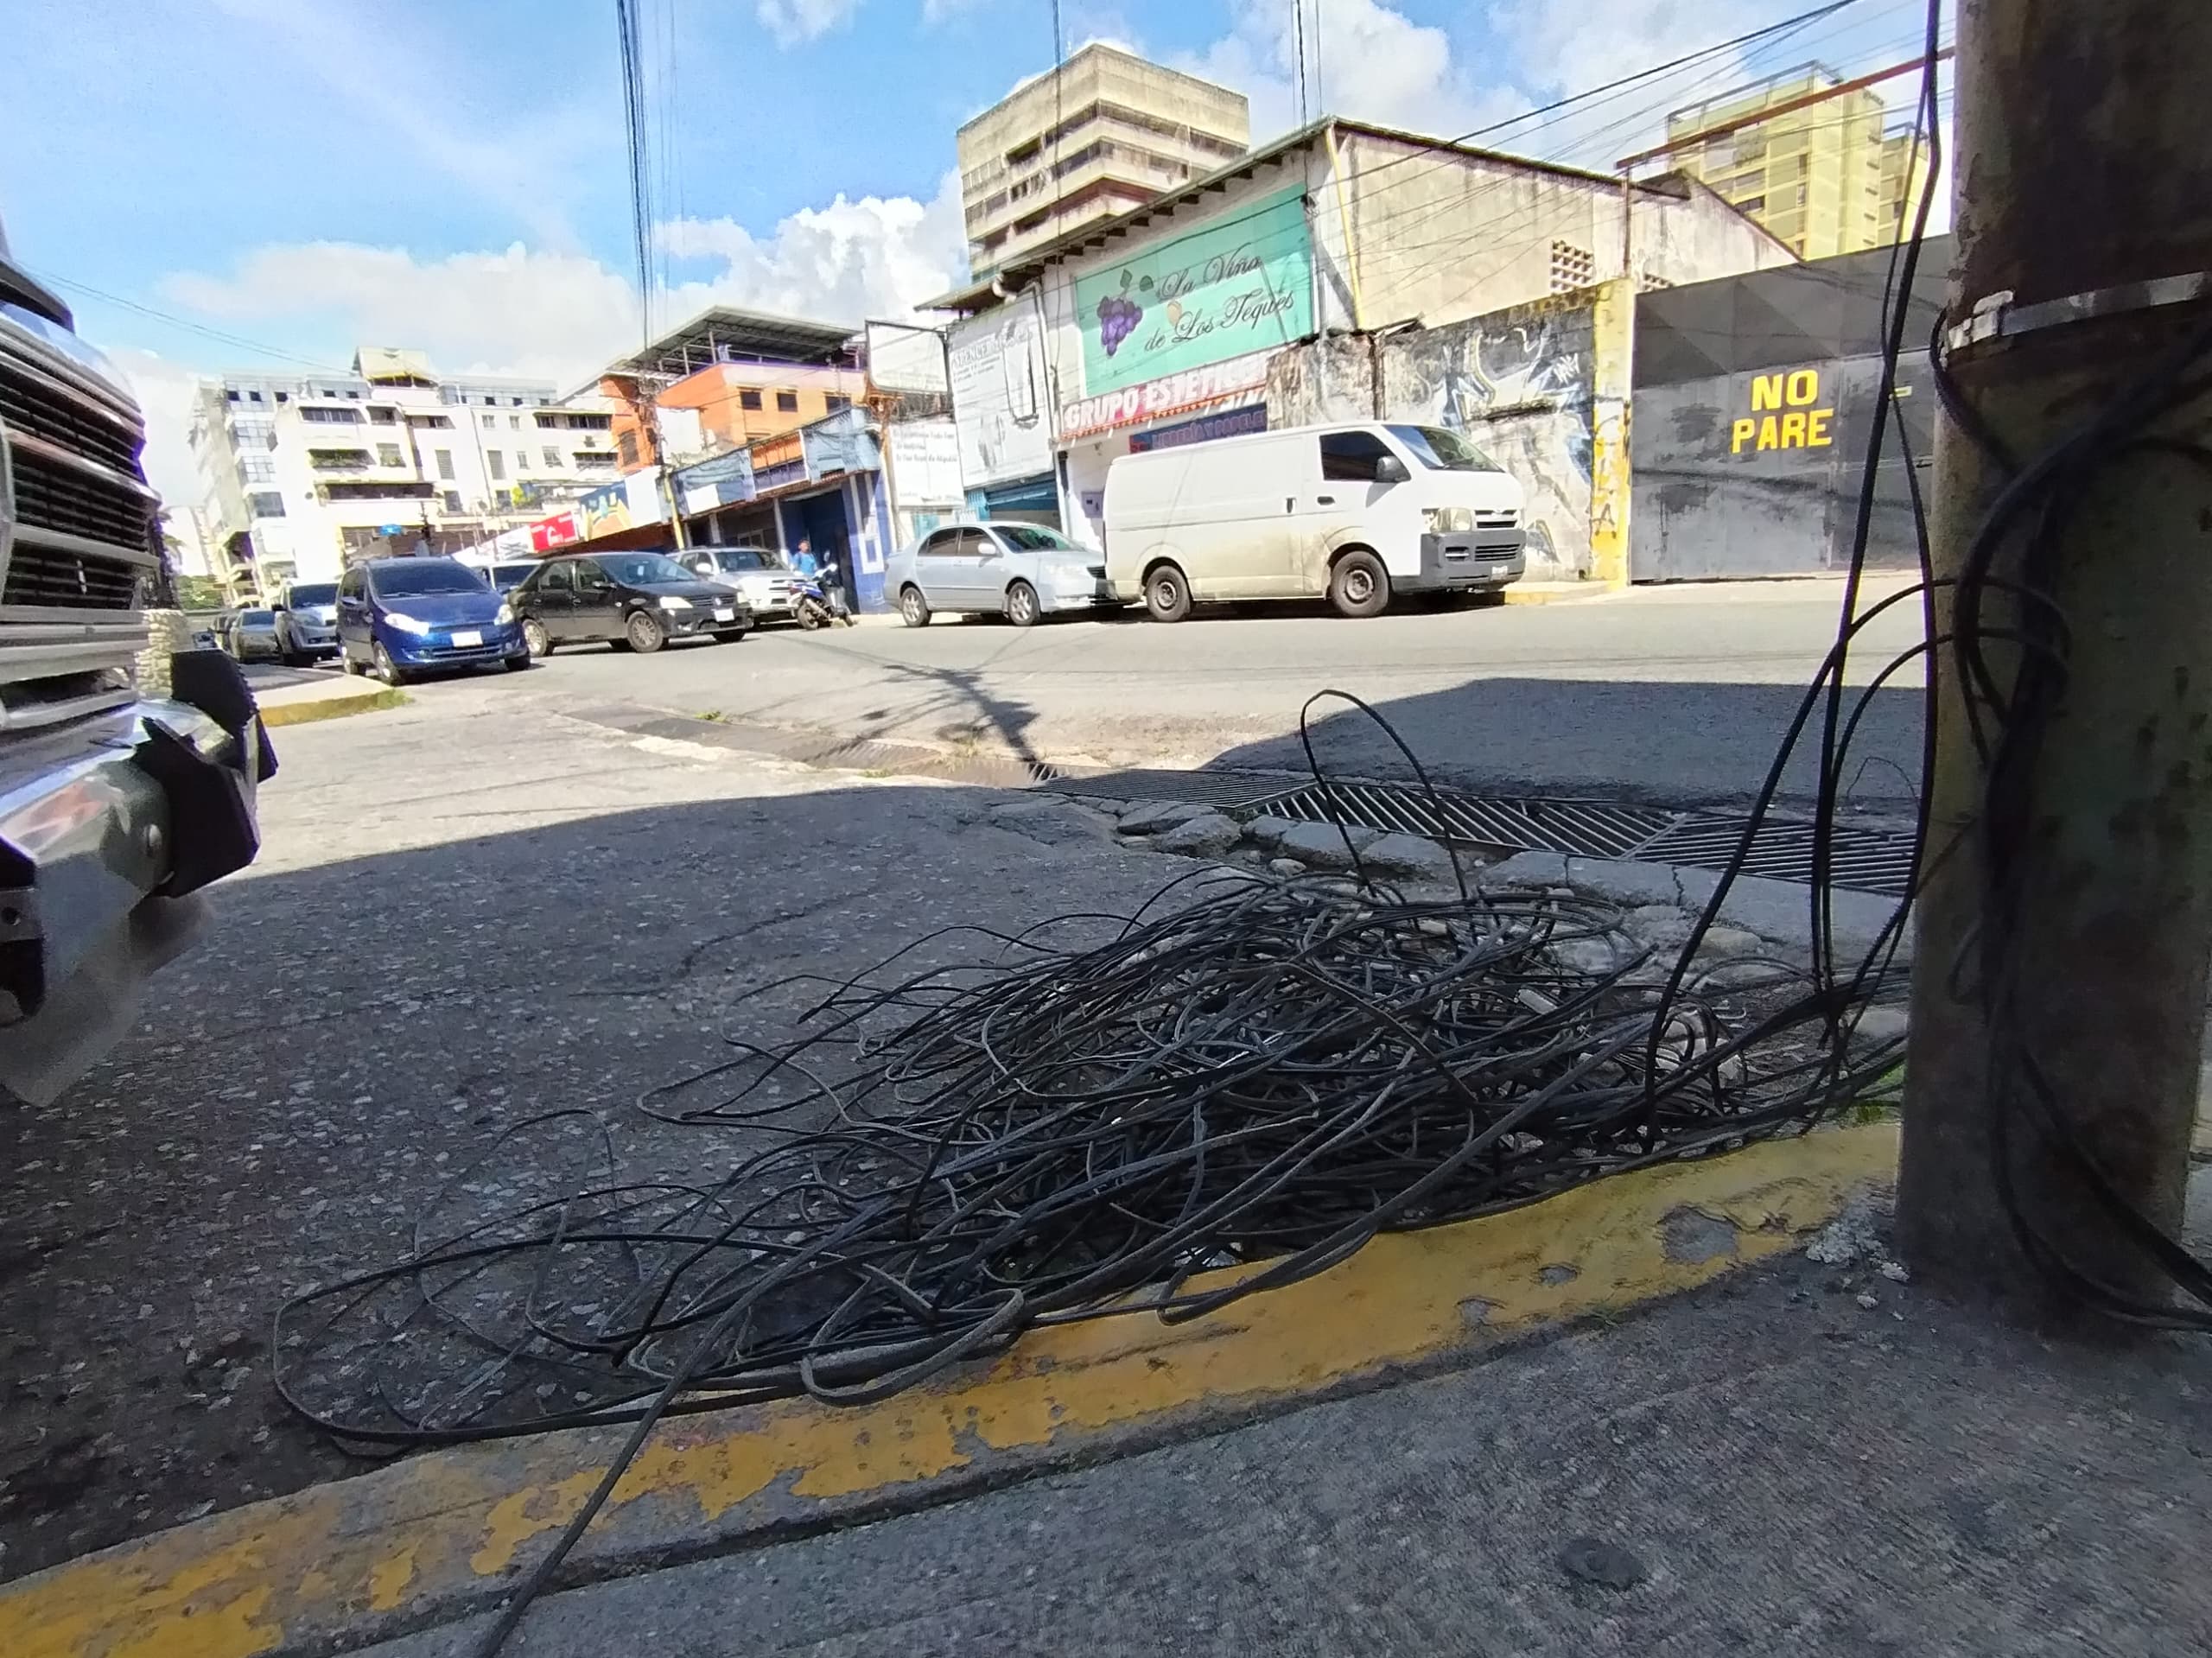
1167 594
1359 586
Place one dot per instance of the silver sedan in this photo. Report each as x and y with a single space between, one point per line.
1019 571
250 636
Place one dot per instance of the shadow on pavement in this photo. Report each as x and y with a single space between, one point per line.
1596 739
352 1034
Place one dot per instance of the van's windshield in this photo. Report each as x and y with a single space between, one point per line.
1442 449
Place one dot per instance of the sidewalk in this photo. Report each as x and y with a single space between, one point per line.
292 697
1771 1467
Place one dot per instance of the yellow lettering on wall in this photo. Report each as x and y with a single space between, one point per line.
1803 387
1766 393
1767 440
1740 434
1816 428
1793 431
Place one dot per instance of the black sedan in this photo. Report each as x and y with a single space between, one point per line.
634 601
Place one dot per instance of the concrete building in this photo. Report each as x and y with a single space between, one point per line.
304 474
1166 324
725 377
1822 177
1105 132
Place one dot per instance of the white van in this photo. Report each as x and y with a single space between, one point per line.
1355 511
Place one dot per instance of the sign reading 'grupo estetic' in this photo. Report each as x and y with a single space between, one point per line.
1242 284
1782 415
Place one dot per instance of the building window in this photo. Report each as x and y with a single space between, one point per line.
452 499
787 402
1572 267
491 423
253 396
836 400
495 464
445 465
379 415
331 417
257 469
748 397
514 421
552 455
439 422
515 403
232 396
629 449
522 462
265 504
587 460
388 455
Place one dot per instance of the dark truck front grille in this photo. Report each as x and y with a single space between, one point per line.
44 575
28 404
77 502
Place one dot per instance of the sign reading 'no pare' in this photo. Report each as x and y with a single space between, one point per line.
1782 415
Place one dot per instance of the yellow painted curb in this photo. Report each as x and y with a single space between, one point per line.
1581 593
330 707
437 1535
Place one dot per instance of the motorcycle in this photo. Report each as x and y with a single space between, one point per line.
819 601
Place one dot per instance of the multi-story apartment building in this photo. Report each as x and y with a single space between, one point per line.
1821 176
725 378
307 474
1105 132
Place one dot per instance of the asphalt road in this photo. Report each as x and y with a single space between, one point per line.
467 912
1671 695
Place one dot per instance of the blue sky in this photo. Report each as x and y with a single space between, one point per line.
301 175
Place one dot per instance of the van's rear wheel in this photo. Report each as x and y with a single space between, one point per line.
1167 594
1359 586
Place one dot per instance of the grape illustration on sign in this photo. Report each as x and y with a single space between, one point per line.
1241 285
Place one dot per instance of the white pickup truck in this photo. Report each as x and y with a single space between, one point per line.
761 575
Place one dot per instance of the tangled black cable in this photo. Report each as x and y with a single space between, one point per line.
1270 1074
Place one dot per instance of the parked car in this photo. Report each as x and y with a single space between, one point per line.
1021 571
252 637
122 793
1358 511
403 616
506 578
307 621
634 601
769 587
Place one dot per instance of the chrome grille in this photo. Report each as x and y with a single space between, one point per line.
79 502
64 418
40 574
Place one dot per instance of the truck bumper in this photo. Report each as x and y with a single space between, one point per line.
109 828
1486 558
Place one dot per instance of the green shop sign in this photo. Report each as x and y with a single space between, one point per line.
1244 284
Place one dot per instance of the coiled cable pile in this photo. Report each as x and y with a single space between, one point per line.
1271 1074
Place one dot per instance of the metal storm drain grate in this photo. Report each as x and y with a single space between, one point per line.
1579 828
1864 860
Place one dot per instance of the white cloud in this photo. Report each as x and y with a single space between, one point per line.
1564 49
794 23
1363 61
561 316
165 392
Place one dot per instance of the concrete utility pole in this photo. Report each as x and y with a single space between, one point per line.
2082 224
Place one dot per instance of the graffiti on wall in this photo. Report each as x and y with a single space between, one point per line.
1519 384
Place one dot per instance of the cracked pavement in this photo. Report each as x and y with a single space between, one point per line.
466 912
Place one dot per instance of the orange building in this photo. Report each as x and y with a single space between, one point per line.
747 375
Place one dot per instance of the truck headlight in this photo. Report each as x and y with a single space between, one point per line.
674 601
1450 520
406 624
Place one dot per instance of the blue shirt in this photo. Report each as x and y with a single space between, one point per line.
805 564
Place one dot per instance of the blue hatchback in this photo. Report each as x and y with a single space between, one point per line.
403 616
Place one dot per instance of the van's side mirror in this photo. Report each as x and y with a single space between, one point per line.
1388 469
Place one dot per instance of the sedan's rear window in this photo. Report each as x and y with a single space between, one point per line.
256 618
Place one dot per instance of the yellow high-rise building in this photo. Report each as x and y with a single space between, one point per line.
1824 178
